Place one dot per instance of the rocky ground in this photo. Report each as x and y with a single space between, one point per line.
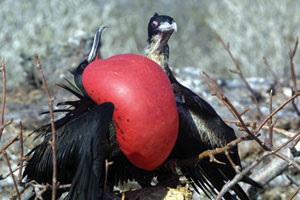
24 103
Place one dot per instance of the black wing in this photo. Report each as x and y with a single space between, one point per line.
85 184
200 129
198 120
69 147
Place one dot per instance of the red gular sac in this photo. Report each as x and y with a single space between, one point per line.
145 116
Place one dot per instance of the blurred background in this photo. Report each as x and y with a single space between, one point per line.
253 28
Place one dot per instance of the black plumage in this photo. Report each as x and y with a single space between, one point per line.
200 127
85 184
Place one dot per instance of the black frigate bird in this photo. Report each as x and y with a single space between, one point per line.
85 138
200 127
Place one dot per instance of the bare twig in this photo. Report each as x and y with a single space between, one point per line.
293 149
11 172
240 175
211 153
265 127
290 161
246 110
2 69
236 167
275 111
40 193
286 143
274 75
21 153
216 91
294 194
270 142
53 142
232 144
293 145
4 176
9 143
267 173
277 166
240 73
6 124
294 87
295 142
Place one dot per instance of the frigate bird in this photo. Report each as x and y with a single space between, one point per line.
200 127
85 138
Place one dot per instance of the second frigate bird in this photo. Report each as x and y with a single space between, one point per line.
200 127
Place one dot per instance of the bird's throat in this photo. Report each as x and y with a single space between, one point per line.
158 51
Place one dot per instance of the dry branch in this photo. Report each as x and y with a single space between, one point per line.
289 160
275 111
2 69
41 192
9 143
21 153
293 76
217 91
4 176
265 127
53 142
240 175
276 152
293 149
294 194
270 141
245 111
11 172
267 173
274 75
287 142
210 153
240 73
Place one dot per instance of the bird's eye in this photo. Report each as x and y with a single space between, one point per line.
155 23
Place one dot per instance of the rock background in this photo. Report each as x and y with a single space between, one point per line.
254 29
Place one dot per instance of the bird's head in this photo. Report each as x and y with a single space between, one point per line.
160 28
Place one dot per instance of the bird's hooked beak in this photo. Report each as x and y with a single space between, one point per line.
94 53
167 27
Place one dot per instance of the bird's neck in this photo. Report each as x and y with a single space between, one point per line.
158 51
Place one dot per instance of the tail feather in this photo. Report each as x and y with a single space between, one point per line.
200 181
211 179
252 182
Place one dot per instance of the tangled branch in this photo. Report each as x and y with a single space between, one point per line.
53 141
